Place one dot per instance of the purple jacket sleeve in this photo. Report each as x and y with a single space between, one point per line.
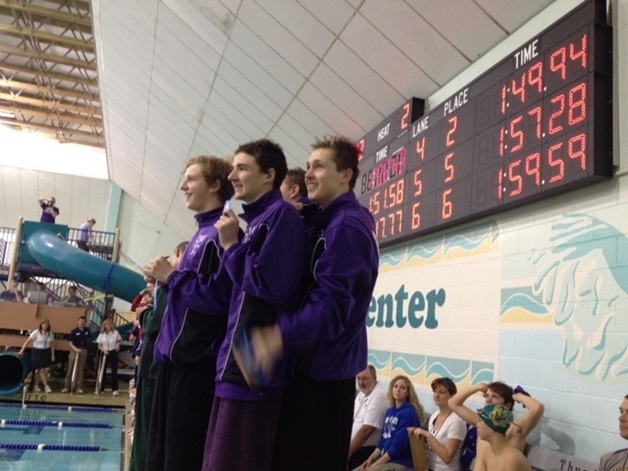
208 294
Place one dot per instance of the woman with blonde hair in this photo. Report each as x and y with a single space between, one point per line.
446 430
109 341
42 355
393 451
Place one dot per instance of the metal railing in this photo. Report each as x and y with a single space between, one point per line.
7 246
98 243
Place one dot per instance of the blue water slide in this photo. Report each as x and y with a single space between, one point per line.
55 254
14 369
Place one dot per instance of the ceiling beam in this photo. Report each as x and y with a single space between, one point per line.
48 57
53 129
68 17
51 21
99 144
73 43
60 92
52 75
72 4
46 114
54 105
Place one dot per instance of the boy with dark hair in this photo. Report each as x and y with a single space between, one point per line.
191 331
265 269
326 337
500 393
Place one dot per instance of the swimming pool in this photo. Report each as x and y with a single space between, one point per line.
59 438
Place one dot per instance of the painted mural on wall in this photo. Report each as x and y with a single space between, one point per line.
576 285
580 291
424 307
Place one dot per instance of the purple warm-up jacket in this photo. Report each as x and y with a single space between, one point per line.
329 331
195 318
266 270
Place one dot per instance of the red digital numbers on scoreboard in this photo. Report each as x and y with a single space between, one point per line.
535 125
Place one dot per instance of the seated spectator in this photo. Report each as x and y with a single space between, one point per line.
446 431
616 460
40 295
393 451
500 393
12 294
368 417
72 299
492 422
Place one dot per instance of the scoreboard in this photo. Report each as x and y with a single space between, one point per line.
537 124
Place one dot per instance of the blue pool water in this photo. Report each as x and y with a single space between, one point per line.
55 438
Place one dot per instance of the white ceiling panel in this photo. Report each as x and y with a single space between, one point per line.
449 19
232 5
364 80
296 130
209 20
342 95
204 146
296 155
208 143
407 30
224 130
134 16
181 58
125 129
177 34
161 101
305 27
195 84
301 113
277 37
163 147
233 118
220 142
249 89
266 57
249 68
328 111
168 79
512 15
243 103
333 14
386 58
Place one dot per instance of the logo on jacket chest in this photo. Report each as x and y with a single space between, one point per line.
198 244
